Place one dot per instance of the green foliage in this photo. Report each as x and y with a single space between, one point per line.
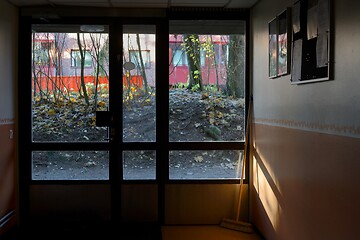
195 88
212 88
180 85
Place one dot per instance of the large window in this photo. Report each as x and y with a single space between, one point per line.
196 120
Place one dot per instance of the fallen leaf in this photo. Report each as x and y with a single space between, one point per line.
51 112
101 104
198 159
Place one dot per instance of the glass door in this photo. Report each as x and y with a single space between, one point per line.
93 115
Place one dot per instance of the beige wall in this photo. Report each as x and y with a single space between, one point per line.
307 138
8 63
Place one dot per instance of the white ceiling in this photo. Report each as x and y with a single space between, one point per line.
138 3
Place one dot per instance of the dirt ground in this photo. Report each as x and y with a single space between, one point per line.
193 116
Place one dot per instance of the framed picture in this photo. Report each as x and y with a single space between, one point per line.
273 48
283 43
279 44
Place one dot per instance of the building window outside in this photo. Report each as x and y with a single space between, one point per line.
135 58
179 58
76 58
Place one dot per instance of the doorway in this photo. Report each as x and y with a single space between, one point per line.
92 129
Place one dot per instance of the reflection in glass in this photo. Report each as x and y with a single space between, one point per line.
273 48
282 45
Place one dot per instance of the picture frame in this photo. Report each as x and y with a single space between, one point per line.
284 42
280 44
312 44
273 48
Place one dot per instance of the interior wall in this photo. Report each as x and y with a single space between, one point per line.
306 138
8 69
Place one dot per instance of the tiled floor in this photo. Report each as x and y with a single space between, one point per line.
204 233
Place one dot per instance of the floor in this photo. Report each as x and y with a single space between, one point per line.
212 232
56 232
145 232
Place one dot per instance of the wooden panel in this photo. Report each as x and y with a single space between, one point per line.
202 203
70 203
139 203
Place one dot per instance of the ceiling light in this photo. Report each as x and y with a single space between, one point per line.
92 28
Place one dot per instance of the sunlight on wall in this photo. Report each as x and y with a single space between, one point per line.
266 194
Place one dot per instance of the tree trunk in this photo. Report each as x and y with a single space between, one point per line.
192 45
82 65
215 63
142 66
96 58
34 67
235 71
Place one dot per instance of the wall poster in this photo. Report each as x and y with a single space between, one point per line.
311 30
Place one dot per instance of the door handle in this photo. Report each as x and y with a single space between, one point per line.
104 119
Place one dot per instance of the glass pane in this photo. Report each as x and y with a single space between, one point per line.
207 81
70 82
139 83
213 164
139 165
70 165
